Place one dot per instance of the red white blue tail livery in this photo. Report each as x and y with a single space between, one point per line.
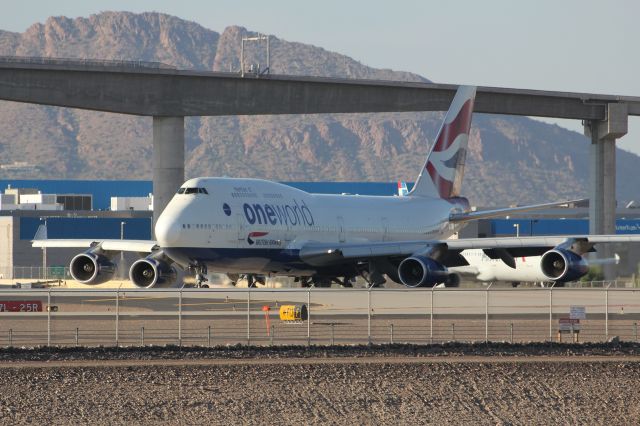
445 164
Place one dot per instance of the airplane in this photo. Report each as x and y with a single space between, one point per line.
483 268
527 269
256 227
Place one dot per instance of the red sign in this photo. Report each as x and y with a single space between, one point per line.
569 324
20 306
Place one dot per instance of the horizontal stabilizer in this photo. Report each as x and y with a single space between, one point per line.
486 214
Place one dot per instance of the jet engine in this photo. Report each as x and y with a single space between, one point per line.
562 265
91 268
153 273
420 271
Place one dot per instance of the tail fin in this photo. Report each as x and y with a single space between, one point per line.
445 163
402 188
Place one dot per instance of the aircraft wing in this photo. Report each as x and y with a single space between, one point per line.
139 246
485 214
448 251
465 270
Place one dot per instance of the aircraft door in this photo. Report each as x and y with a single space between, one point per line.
385 229
341 231
240 227
288 234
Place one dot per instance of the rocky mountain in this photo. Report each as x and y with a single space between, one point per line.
512 159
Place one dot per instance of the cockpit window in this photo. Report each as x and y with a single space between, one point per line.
192 191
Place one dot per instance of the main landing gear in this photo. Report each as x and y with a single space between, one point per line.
201 276
252 279
323 281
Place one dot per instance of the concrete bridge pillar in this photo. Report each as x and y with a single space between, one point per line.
602 185
168 161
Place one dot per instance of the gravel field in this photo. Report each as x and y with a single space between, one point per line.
439 384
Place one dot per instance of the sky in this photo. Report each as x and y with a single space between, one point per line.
568 45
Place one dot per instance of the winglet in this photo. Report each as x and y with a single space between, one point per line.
41 233
402 188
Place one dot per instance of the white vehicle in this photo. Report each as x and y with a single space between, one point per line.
527 269
257 227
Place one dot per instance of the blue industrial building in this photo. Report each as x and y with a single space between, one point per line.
528 227
103 190
99 226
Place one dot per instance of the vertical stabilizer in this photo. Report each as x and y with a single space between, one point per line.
442 173
402 188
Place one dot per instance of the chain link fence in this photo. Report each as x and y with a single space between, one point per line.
35 273
210 317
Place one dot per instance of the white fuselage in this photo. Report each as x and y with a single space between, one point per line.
483 268
258 226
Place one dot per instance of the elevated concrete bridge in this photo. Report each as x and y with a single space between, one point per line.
169 94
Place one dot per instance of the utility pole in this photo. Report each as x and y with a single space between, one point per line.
255 71
122 251
44 251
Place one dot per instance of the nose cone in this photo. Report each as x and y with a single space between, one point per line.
167 230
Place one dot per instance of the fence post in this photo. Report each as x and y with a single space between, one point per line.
117 317
551 312
453 332
77 336
11 337
511 333
309 316
391 327
180 318
486 314
142 336
368 316
606 312
635 330
431 315
271 335
49 318
209 336
248 316
333 340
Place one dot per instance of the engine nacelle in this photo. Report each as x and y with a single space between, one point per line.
420 271
563 265
91 268
153 273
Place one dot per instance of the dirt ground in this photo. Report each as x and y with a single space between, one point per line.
378 389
